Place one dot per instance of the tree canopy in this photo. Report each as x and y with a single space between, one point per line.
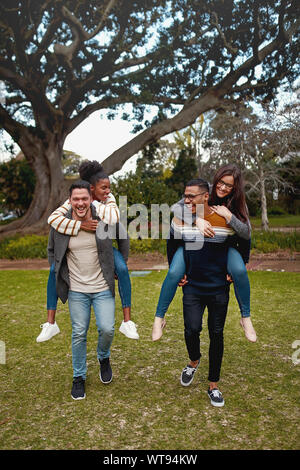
61 60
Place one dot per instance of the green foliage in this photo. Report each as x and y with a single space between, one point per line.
184 170
17 182
272 241
35 246
30 246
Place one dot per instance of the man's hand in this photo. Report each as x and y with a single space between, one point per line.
89 225
229 278
205 227
183 281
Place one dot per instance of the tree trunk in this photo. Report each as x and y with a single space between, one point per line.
50 189
263 199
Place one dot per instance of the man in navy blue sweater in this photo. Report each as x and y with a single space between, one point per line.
205 285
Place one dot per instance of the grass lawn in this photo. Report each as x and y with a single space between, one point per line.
278 221
145 407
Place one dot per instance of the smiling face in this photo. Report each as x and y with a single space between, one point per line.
194 195
224 186
80 200
101 190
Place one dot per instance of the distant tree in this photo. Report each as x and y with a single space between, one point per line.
184 170
258 144
60 61
17 182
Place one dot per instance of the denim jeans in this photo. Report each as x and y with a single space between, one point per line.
169 287
121 271
193 309
124 284
235 267
80 305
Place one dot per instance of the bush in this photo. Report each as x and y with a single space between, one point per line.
276 210
35 246
272 241
30 246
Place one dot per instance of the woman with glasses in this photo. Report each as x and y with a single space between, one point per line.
227 198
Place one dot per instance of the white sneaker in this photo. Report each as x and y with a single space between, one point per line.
128 328
48 331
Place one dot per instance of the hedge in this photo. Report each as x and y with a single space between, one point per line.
35 246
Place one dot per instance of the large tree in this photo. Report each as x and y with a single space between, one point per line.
62 60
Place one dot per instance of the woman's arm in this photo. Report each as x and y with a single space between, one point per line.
242 229
63 224
109 213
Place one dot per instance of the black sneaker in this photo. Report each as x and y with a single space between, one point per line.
105 371
216 398
78 388
187 375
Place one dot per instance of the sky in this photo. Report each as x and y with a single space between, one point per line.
94 139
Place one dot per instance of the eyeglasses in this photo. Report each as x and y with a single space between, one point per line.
191 197
221 183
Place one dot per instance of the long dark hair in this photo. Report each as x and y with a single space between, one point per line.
235 201
92 171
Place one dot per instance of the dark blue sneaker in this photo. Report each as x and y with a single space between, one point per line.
105 371
78 388
216 398
187 375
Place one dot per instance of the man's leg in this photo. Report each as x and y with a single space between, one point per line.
104 308
217 310
80 313
193 308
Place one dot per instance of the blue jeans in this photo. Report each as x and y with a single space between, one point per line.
80 312
121 271
235 267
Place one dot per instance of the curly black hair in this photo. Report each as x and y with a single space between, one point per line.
92 171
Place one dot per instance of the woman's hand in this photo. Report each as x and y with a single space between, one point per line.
205 227
223 211
183 281
89 225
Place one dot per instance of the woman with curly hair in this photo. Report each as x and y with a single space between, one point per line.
108 212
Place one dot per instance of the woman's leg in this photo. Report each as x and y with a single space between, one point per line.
50 328
169 287
168 290
237 269
51 295
128 327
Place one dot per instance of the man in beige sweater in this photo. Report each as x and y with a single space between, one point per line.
84 268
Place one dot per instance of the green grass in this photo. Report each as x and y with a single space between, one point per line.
278 221
145 407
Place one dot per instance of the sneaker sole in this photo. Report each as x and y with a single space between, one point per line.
105 383
188 384
78 398
130 337
47 339
218 405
